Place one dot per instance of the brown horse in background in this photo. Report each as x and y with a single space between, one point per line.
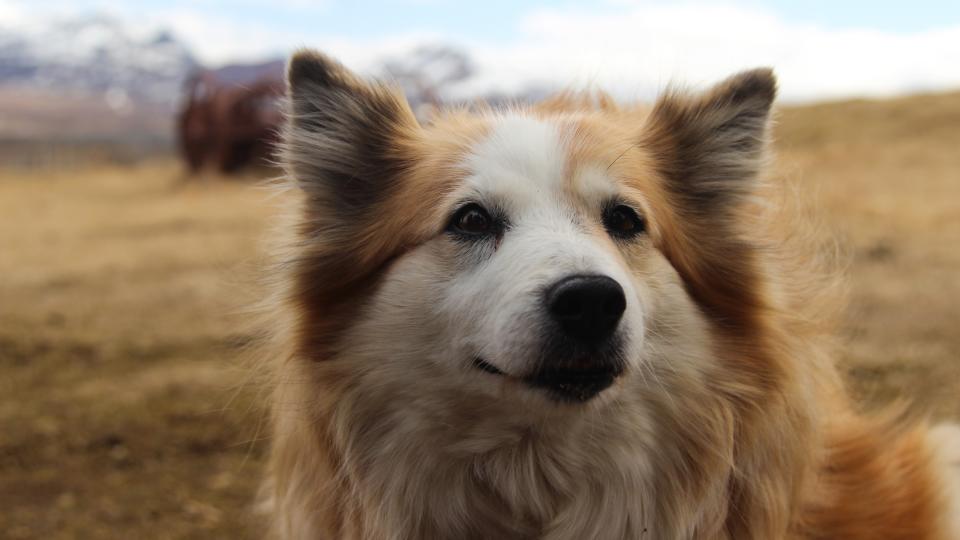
228 125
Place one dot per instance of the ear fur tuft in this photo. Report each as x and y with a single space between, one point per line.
346 140
710 147
309 70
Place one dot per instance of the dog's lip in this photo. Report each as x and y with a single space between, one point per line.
571 384
575 384
573 377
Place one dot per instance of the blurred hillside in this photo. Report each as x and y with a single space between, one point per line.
884 176
97 80
95 55
91 76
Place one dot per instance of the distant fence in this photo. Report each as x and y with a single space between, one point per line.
65 154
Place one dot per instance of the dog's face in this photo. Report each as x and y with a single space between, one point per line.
546 253
543 259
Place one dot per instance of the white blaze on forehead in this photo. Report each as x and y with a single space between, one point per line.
523 160
522 157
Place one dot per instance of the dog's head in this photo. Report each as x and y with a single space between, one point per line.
545 252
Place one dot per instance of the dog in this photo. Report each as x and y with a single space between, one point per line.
564 321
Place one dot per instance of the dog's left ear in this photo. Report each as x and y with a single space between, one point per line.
710 148
346 142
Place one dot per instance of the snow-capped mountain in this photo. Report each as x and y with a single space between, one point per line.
96 55
104 77
440 73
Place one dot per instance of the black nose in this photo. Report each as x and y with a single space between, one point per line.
587 308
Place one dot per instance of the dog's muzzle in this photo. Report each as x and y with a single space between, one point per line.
582 354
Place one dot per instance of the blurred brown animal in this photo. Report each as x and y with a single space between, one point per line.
230 126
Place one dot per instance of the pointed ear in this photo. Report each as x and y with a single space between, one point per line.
346 142
710 148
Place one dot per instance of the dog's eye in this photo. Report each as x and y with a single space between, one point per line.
622 221
471 220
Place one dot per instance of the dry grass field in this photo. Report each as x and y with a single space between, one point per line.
123 407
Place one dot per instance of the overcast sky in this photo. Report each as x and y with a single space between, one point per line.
821 49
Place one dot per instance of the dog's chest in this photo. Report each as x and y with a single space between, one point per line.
527 487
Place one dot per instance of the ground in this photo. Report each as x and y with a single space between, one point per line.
127 413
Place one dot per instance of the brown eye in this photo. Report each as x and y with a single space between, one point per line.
622 221
471 220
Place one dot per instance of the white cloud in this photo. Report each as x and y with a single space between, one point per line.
635 49
12 14
640 48
222 41
219 40
630 48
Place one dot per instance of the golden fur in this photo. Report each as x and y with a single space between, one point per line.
754 440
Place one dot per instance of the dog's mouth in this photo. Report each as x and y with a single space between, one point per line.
566 384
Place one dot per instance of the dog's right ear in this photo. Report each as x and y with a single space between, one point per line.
347 142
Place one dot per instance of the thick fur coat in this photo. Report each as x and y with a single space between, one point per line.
421 391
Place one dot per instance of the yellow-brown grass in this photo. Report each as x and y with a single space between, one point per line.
121 291
885 176
121 324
